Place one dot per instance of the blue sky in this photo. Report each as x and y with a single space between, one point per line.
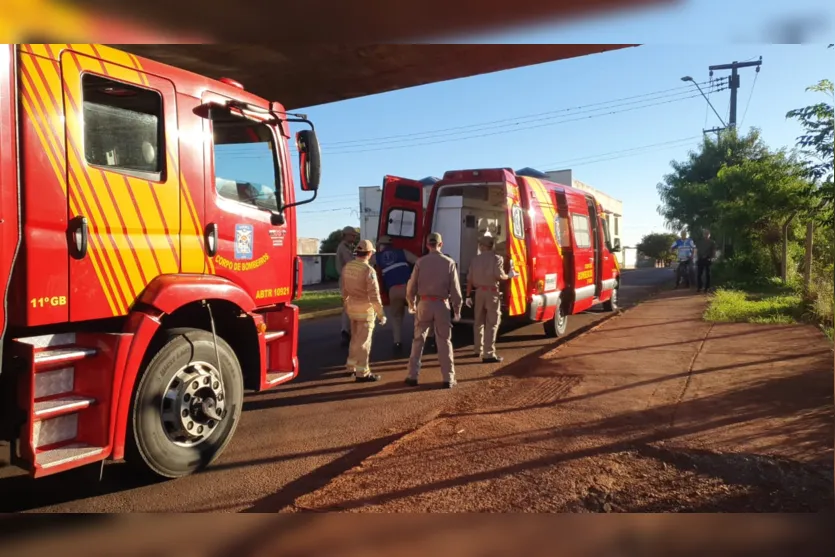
605 151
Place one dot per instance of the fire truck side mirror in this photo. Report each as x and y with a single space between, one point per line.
310 160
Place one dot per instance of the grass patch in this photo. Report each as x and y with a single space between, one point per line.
761 302
319 300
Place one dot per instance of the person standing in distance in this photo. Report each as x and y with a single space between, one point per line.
705 254
396 268
484 274
683 248
344 255
433 288
361 300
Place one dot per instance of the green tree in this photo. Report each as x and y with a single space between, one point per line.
690 194
740 188
657 245
330 243
817 144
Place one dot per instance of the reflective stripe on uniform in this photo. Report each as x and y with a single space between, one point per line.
395 266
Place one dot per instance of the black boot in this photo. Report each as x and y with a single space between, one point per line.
367 378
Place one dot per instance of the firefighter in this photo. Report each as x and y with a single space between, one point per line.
396 268
361 300
431 292
483 276
344 254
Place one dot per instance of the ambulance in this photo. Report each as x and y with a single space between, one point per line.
553 235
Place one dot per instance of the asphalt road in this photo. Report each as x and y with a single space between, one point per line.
296 439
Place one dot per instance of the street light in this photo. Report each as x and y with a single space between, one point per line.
691 80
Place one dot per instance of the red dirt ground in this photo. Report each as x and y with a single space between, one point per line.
654 411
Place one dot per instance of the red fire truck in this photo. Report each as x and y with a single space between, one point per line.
555 236
147 257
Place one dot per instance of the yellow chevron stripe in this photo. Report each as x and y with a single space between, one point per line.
193 256
103 217
36 116
518 285
546 207
149 251
51 82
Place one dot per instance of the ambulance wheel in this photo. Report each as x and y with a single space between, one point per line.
184 411
612 303
556 327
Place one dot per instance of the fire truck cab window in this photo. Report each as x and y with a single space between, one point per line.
246 166
582 235
123 128
401 223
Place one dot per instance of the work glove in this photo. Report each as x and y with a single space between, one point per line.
512 274
382 320
468 302
456 318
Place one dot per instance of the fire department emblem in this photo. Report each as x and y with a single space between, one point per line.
243 241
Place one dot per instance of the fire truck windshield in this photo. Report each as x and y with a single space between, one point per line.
246 165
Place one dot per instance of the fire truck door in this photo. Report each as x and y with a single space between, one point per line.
123 183
402 218
247 170
402 214
583 272
516 293
597 245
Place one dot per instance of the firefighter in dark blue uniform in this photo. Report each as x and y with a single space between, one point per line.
396 268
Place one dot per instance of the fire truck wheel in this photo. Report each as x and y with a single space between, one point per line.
556 327
185 409
611 304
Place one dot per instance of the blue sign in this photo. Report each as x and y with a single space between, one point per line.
243 241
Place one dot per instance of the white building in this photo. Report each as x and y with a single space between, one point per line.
612 208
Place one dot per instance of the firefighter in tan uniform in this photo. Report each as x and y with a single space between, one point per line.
485 272
361 299
431 292
344 255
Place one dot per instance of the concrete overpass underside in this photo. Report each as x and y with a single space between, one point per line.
305 75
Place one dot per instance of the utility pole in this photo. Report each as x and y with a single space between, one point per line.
733 82
712 130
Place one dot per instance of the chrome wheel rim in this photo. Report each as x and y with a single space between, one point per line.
193 404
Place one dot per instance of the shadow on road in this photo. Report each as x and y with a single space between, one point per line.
322 475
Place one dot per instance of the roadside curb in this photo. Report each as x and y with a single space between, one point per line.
321 313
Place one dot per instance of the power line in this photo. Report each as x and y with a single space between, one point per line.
539 115
505 131
516 129
630 152
455 130
751 94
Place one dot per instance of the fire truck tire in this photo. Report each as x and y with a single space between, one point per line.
179 381
557 326
612 303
